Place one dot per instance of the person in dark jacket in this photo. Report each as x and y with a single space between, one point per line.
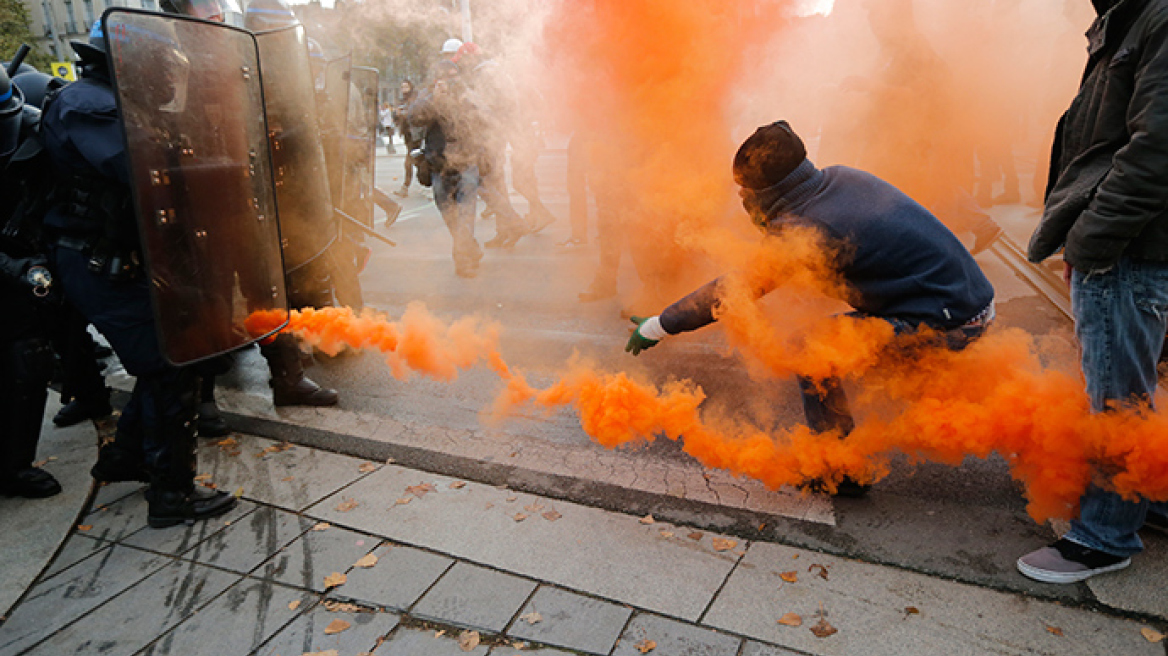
899 262
1107 208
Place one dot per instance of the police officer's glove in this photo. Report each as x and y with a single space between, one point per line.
647 334
29 273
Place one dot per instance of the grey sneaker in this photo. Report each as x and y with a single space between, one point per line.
1068 562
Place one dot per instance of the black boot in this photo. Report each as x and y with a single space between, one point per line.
116 464
27 366
30 483
169 507
210 422
289 384
77 411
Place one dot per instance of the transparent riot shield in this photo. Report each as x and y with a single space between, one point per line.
360 151
333 104
302 188
191 102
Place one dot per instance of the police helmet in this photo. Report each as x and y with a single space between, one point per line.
36 85
451 46
93 50
263 15
219 11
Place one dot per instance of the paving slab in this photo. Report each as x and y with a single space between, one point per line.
256 537
53 604
238 621
34 529
178 540
292 478
77 548
674 638
397 580
528 650
634 563
1142 587
132 620
570 620
474 597
880 611
306 633
759 649
415 642
315 555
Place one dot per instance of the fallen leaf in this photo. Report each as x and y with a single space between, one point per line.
275 448
457 485
647 519
911 610
795 557
468 640
421 489
552 515
695 536
439 634
403 501
533 508
231 452
822 573
724 544
202 477
327 652
791 619
294 605
336 626
334 579
227 442
762 526
368 560
645 646
347 505
511 499
322 526
1151 635
238 493
519 517
666 534
334 606
85 527
367 467
1054 630
822 629
286 479
532 618
790 577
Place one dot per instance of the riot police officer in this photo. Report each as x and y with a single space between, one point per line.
97 254
26 358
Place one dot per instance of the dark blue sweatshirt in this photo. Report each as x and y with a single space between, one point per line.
898 259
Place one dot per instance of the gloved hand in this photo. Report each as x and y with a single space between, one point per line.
16 270
647 334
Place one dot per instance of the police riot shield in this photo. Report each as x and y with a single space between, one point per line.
333 104
302 189
190 97
360 145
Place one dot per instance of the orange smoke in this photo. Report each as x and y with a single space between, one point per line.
418 342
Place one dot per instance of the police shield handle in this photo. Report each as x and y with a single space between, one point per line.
364 228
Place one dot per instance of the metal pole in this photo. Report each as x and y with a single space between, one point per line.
51 23
467 31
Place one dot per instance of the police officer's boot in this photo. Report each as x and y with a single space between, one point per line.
210 423
173 498
289 384
23 393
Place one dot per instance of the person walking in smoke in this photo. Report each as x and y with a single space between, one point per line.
1105 207
898 262
410 135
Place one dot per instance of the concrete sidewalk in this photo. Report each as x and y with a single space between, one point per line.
328 554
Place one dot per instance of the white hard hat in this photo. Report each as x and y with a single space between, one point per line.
451 46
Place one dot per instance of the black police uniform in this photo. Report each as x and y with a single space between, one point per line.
96 253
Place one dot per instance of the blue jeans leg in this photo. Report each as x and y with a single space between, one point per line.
456 194
1120 320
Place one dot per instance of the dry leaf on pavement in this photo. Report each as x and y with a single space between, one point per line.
322 526
511 499
85 527
695 536
327 652
647 519
791 619
368 560
552 515
347 505
334 606
533 507
468 640
911 610
367 467
293 605
202 477
532 618
336 626
1151 635
822 629
790 577
1054 630
456 485
335 579
645 646
724 544
822 570
238 494
421 489
666 534
403 501
519 517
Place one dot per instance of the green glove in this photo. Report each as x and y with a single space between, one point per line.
638 341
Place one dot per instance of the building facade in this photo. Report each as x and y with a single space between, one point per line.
57 22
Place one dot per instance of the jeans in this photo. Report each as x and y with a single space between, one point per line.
825 405
1120 320
456 194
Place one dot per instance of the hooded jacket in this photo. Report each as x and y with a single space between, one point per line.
1107 196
